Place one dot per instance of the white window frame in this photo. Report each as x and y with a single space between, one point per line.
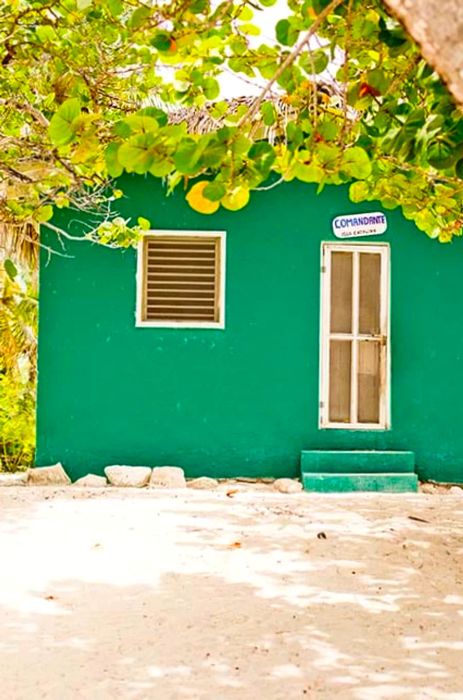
325 334
220 324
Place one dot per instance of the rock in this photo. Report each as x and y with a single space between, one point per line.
203 482
430 487
287 485
267 480
91 481
456 490
48 476
120 475
14 479
167 478
247 479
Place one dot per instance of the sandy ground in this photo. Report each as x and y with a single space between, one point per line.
193 595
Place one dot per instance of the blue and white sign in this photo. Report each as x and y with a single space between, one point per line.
356 225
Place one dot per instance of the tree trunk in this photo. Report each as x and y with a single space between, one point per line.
437 26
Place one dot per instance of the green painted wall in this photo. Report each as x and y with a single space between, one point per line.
244 400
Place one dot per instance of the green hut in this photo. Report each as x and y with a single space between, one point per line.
301 334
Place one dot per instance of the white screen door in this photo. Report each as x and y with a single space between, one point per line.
355 336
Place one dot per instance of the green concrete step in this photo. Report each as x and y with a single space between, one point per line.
357 461
341 483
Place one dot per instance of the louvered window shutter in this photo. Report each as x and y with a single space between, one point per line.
181 279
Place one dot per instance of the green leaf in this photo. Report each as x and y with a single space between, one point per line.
314 61
285 33
161 168
441 154
263 154
45 33
115 7
236 199
377 78
320 5
328 129
135 157
138 17
211 88
114 167
198 7
214 191
294 134
10 268
267 67
142 124
240 145
197 77
186 157
268 113
122 129
328 154
143 223
155 113
61 129
356 163
393 35
358 191
310 172
213 154
246 14
459 169
70 109
321 61
250 29
161 41
44 213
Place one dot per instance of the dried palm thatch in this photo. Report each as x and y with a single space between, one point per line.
202 120
19 242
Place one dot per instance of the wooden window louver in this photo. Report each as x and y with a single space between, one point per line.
181 279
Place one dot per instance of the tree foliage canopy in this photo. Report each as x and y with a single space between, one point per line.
86 87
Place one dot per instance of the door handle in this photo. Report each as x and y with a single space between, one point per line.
381 339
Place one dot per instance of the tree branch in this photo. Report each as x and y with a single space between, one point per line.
298 49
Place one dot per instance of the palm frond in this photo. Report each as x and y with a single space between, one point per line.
19 242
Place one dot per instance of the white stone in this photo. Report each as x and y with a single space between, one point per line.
91 481
203 482
431 488
120 475
287 485
13 479
456 490
427 488
48 476
167 478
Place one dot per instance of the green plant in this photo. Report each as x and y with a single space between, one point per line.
17 422
18 327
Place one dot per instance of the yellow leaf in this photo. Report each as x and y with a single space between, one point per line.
198 202
236 199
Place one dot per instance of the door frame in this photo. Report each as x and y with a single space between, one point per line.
324 338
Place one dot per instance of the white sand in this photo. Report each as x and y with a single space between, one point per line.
137 594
